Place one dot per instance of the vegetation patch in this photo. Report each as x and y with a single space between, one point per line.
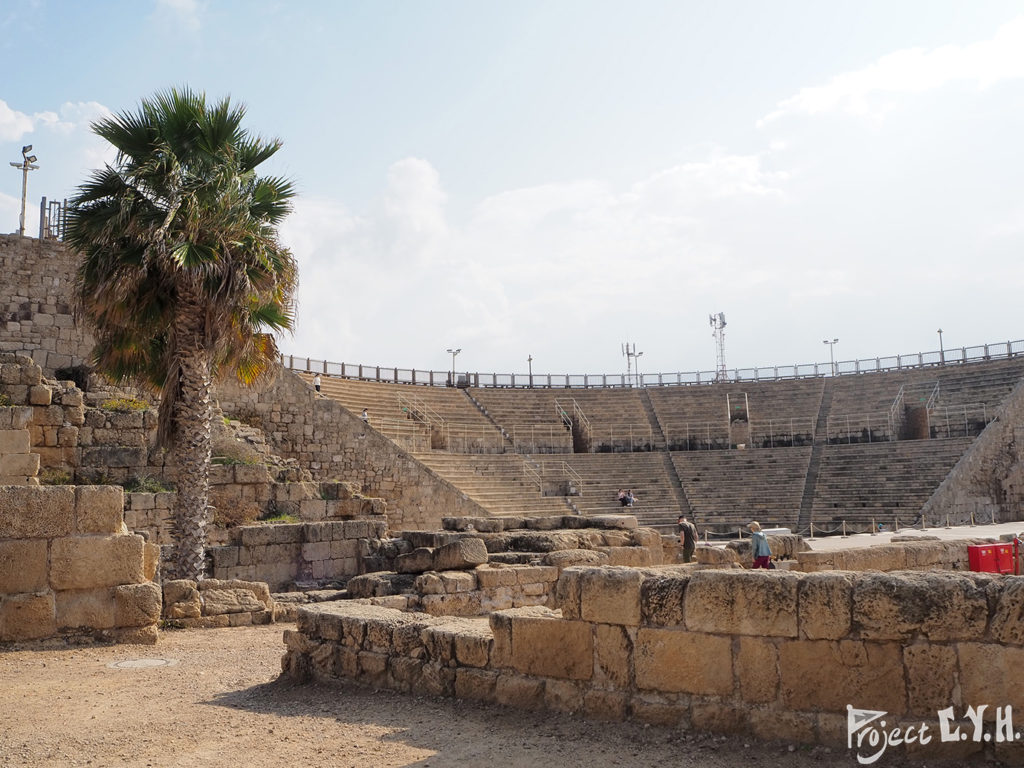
239 514
145 484
53 476
5 401
279 518
124 404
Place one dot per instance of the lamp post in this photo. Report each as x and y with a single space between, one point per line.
453 353
24 166
637 359
529 362
831 353
942 352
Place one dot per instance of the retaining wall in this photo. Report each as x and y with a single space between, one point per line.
69 568
779 655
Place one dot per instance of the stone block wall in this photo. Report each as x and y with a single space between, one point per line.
37 303
69 569
214 603
281 555
336 445
778 655
898 556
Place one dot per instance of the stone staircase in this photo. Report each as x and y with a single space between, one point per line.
811 480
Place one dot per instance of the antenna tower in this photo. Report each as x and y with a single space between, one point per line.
718 323
630 353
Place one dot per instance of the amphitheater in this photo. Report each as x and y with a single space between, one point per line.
466 539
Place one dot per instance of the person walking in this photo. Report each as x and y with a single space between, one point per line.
762 552
316 383
687 537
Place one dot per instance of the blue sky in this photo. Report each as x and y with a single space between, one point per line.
555 178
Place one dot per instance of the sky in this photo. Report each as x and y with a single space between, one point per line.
551 179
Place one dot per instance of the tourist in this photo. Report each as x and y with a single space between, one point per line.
630 498
622 498
366 416
762 552
687 537
316 383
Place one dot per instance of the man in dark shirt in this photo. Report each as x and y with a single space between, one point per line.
687 537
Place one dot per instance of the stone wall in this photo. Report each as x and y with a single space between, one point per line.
898 556
988 480
334 444
776 655
37 303
281 555
212 603
69 569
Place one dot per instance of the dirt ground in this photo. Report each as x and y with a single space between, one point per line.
223 703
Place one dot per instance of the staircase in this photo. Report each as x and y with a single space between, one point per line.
506 438
659 441
803 522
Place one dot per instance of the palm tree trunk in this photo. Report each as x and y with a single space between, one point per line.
192 441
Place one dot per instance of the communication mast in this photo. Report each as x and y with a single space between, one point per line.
630 353
718 323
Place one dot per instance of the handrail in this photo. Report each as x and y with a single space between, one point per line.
917 360
414 403
897 415
533 476
933 397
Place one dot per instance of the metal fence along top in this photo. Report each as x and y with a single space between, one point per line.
947 357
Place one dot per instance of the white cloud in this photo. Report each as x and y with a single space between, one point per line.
13 124
186 12
913 70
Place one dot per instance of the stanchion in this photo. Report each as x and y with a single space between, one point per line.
972 518
812 530
844 530
874 528
924 523
947 522
896 525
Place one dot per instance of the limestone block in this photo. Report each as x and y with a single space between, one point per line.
611 595
535 636
1007 623
96 561
500 623
613 652
262 535
359 529
708 555
406 674
991 673
22 566
151 561
312 509
613 522
133 635
760 603
654 709
27 617
14 441
940 606
563 696
181 600
605 705
428 584
457 581
932 677
568 557
99 508
249 474
773 725
816 561
461 554
825 605
475 684
452 604
438 680
489 577
320 550
519 691
85 608
757 670
719 717
19 464
685 662
661 600
634 557
137 605
827 675
473 644
419 560
39 395
568 591
47 415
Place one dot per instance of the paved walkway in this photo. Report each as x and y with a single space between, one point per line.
832 543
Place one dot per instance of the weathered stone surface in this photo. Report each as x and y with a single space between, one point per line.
661 600
99 508
519 691
461 554
137 605
611 595
27 617
613 650
379 584
96 561
599 704
686 662
216 602
85 608
475 684
932 677
535 635
991 673
757 670
760 603
22 566
939 606
1007 623
565 558
632 557
825 605
33 512
826 675
568 591
708 555
419 560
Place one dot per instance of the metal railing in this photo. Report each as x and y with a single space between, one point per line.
52 219
958 420
540 438
946 357
780 433
873 427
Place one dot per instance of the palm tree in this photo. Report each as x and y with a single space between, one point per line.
182 275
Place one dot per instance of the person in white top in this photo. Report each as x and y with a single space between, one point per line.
316 383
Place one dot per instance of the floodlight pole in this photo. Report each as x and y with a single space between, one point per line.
529 362
24 166
831 353
942 352
453 353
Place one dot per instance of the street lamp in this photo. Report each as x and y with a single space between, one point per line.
453 353
831 353
942 352
24 166
637 363
529 362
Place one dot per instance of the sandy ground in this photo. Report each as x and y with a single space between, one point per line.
223 703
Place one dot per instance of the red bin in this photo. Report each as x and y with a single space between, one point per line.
982 557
